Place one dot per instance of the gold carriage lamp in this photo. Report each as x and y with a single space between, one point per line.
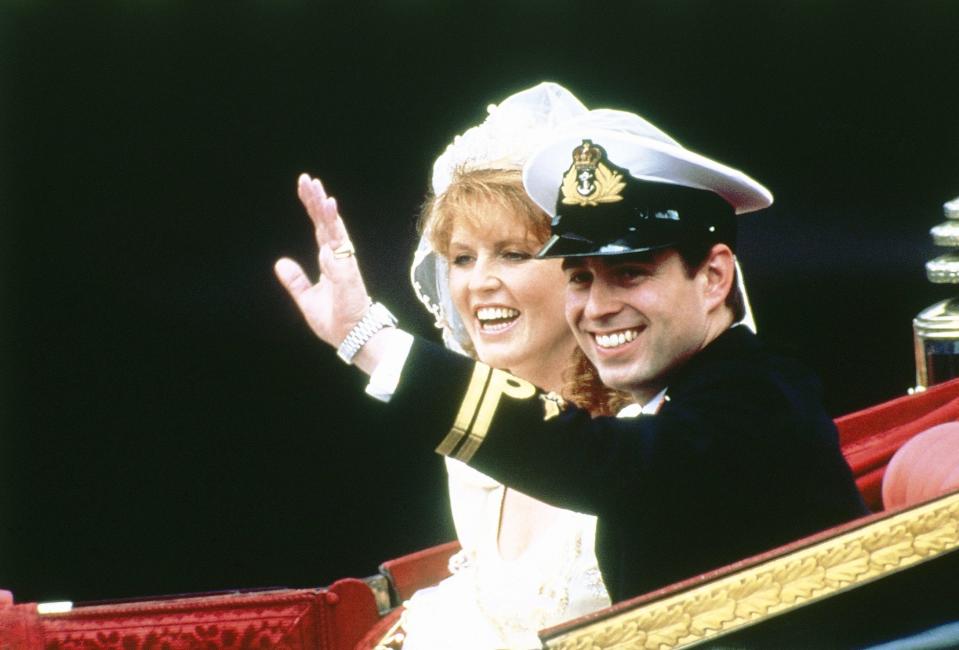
936 328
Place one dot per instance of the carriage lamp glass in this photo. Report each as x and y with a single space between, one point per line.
936 328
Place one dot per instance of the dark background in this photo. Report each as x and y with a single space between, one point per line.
168 422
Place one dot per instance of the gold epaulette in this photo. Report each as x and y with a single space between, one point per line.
472 422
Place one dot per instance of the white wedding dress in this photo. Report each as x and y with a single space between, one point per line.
490 602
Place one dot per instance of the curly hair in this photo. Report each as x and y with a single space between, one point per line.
470 189
583 388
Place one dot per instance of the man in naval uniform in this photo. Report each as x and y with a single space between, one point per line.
731 452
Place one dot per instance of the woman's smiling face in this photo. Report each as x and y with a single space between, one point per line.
512 304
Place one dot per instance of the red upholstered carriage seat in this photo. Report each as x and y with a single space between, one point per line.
341 617
870 437
287 619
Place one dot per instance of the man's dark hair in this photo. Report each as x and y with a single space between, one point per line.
693 254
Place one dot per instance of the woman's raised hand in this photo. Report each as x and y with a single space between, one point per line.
338 300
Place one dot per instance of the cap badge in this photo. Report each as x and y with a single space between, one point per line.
588 181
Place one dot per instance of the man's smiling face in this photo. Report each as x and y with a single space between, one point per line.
637 317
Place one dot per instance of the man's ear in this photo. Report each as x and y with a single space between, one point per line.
719 271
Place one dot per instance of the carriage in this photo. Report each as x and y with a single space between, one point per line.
885 575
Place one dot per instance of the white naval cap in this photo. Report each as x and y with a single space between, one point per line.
645 152
635 173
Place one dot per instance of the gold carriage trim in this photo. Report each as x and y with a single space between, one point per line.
473 420
789 582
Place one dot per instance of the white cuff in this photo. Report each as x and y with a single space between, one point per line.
386 377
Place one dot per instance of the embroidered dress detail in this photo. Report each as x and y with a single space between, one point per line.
493 603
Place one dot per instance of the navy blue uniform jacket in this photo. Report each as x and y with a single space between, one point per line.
741 457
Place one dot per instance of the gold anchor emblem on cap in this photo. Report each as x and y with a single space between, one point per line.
588 181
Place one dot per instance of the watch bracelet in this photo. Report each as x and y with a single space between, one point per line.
377 317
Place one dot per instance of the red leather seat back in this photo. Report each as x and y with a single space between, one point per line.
425 568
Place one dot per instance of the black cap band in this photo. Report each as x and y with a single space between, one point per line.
650 215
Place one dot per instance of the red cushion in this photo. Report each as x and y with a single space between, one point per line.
923 468
870 437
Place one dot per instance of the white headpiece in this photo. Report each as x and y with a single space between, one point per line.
512 131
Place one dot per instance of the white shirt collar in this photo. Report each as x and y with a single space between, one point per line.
652 406
649 408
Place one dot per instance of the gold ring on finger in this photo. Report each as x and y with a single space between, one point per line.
343 250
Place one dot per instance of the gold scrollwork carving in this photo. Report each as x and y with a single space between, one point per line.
790 581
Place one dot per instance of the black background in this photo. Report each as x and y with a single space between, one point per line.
170 425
